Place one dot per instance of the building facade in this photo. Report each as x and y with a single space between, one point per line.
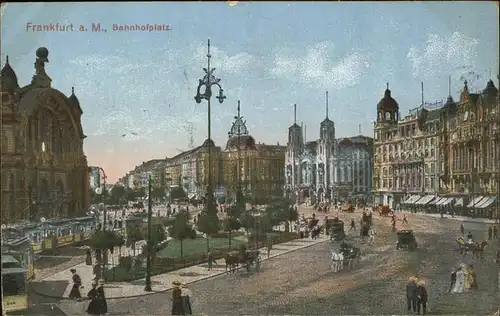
448 149
137 178
470 165
44 168
406 151
352 174
309 165
258 169
94 177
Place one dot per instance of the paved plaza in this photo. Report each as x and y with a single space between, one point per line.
301 282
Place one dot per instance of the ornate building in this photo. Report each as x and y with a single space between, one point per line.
309 165
449 149
44 168
406 151
472 145
352 175
257 168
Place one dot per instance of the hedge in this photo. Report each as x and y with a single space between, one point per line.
125 272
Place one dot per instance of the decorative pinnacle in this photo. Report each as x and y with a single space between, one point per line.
7 59
72 90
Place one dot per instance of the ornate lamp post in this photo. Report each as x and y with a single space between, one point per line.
208 81
102 191
238 129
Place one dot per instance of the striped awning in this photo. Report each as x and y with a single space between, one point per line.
425 199
486 202
436 200
445 201
474 201
412 199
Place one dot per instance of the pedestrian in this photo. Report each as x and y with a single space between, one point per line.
421 297
186 300
88 257
462 229
77 283
269 246
411 294
490 233
405 220
495 232
101 304
92 308
453 279
211 260
472 278
177 304
353 225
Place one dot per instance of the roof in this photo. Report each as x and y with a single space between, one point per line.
9 77
274 148
387 102
150 165
246 142
186 153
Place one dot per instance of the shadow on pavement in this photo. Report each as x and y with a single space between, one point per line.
50 289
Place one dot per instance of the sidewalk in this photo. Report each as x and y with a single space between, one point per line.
455 218
163 282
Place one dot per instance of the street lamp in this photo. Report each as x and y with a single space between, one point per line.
238 131
147 287
208 81
102 191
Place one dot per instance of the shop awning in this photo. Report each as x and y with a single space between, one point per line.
459 202
417 198
412 199
445 201
475 201
486 202
436 201
425 199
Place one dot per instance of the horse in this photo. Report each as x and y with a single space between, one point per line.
371 235
335 259
353 255
463 247
232 261
478 250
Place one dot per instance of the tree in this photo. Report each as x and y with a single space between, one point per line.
182 229
129 194
134 234
209 224
116 194
102 241
158 193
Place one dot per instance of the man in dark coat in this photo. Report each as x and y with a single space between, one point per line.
411 294
495 232
421 298
101 304
453 279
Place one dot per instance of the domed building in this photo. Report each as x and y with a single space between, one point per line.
256 168
44 168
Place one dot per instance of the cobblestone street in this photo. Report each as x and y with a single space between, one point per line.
302 283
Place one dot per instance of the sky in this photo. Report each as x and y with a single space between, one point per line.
267 55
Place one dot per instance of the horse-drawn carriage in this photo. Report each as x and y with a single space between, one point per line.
351 254
349 208
242 257
383 210
336 229
406 240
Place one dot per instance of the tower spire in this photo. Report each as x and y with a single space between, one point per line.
239 109
422 91
387 85
449 86
295 114
326 104
305 134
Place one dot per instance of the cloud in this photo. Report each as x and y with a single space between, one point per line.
319 66
443 55
223 61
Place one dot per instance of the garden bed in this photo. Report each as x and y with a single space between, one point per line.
169 259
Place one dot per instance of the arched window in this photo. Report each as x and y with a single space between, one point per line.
388 116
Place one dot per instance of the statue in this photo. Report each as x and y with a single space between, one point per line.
41 79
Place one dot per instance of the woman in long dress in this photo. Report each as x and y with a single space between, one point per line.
460 281
101 304
77 283
92 296
186 299
471 278
177 302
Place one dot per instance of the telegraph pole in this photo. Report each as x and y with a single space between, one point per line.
147 287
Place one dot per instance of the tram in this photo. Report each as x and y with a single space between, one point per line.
14 285
19 247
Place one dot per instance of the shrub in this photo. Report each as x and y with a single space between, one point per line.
125 262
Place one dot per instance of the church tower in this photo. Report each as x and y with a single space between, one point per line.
326 152
295 148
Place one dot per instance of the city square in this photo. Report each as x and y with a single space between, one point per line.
329 185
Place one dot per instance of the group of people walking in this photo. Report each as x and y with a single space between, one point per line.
416 295
463 279
98 304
